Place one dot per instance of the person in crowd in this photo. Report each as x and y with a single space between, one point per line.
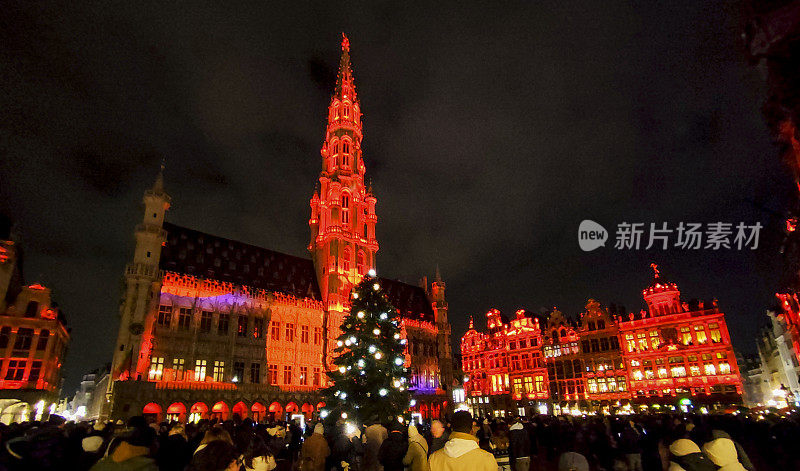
393 449
256 455
484 435
416 458
519 446
214 434
630 446
741 455
461 452
347 447
174 452
439 436
374 436
722 452
295 436
217 455
572 461
92 447
685 455
315 450
133 449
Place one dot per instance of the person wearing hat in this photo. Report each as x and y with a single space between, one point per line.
315 450
133 451
416 458
394 448
374 437
92 447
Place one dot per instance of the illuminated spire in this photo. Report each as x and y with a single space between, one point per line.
656 272
345 85
158 186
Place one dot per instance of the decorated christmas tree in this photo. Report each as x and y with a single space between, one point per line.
370 378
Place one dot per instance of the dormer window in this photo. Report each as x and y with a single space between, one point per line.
32 309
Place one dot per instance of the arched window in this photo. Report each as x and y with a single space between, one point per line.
336 111
555 334
346 112
345 153
335 152
360 263
32 309
345 209
601 325
346 260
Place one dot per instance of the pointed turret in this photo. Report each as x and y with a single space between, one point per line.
158 186
345 86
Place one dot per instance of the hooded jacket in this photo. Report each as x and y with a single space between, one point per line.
741 455
722 452
685 455
416 458
461 453
374 436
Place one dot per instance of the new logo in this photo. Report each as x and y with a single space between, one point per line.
591 235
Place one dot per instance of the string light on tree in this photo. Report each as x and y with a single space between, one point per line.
369 359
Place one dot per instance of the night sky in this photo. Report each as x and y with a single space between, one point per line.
489 135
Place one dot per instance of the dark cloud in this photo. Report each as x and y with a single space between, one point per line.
490 133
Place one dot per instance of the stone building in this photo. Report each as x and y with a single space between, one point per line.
33 339
669 354
210 326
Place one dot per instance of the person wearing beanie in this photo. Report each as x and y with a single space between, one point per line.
461 452
394 448
132 452
315 450
416 458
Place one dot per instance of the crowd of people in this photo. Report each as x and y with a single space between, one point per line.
660 442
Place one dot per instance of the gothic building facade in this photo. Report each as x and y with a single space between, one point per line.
213 327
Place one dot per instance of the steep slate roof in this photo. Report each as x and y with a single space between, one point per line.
206 256
211 257
410 300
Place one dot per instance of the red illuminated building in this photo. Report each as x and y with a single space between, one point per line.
672 354
212 326
33 340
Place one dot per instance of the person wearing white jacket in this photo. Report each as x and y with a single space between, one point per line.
722 452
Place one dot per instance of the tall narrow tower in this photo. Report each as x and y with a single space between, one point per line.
444 350
342 222
142 283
